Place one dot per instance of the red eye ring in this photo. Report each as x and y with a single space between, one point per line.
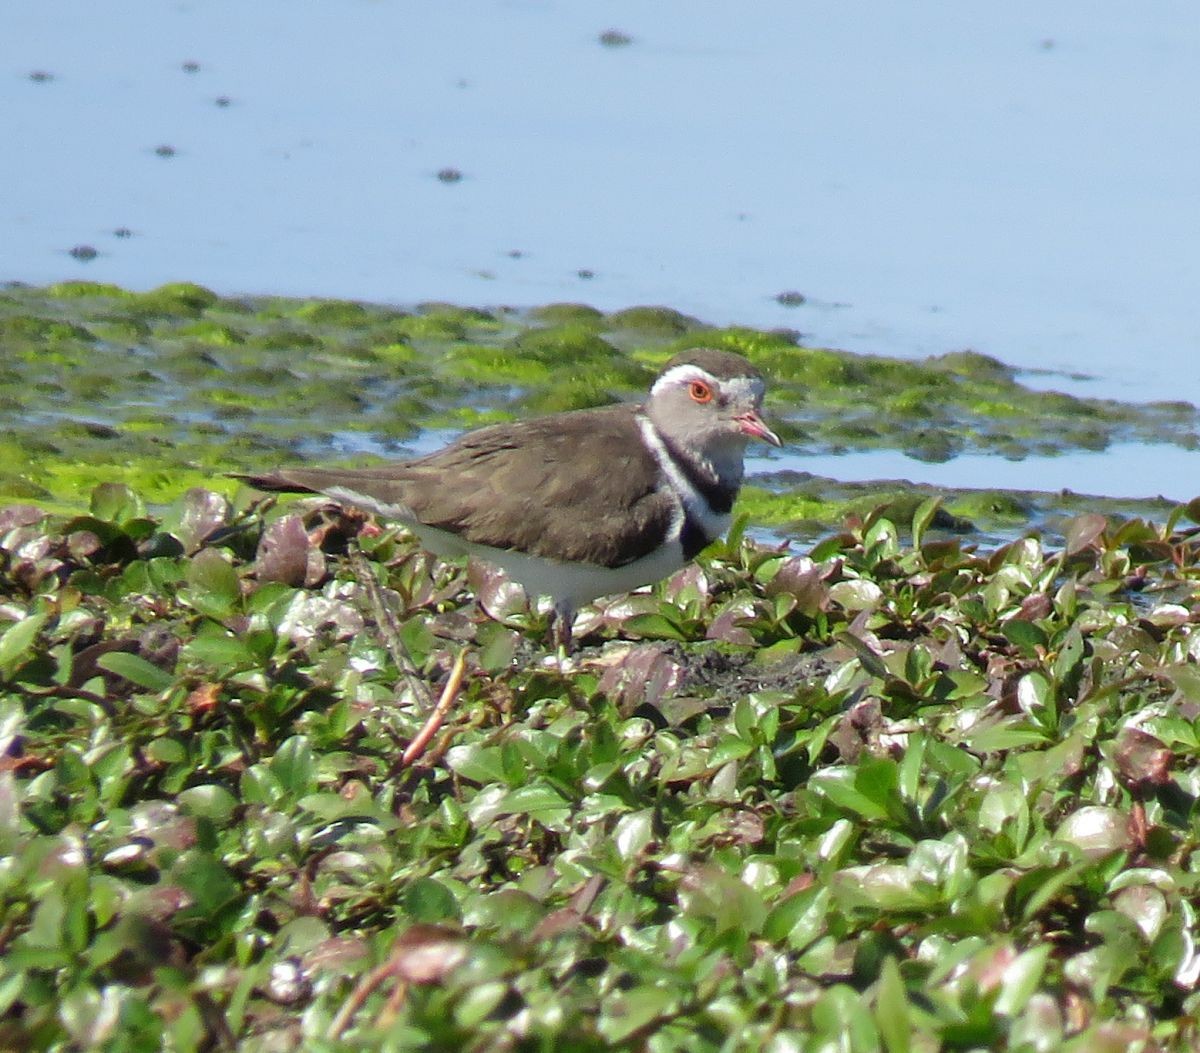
700 391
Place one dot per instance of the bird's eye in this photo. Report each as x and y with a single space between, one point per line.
700 391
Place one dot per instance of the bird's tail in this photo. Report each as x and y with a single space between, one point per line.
285 480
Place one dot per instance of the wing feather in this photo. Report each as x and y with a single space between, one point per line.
520 486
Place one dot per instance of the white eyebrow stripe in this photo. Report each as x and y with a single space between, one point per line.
683 374
749 389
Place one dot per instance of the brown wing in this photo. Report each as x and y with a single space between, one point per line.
523 486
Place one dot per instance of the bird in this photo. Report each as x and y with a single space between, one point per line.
581 504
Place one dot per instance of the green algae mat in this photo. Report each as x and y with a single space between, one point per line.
891 792
169 389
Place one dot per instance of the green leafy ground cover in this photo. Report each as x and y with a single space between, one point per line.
890 791
878 796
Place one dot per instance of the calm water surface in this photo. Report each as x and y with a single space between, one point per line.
1021 178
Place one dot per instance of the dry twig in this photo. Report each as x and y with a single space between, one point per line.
362 991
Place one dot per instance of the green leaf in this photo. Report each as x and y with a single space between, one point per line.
653 627
737 530
116 503
879 781
429 900
167 751
476 1004
745 721
1021 979
294 767
18 640
1035 890
213 587
1070 654
839 786
922 517
729 748
799 919
1036 697
856 594
1191 510
481 764
209 801
881 540
301 935
536 799
891 1009
332 807
259 785
1004 736
218 650
633 833
209 884
137 670
629 1011
908 776
1025 635
11 988
842 1021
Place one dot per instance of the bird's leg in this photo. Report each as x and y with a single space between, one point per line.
560 628
389 630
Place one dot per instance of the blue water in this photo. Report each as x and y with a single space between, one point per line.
1019 178
1125 471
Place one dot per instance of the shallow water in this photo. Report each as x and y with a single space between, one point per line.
1014 178
1125 471
1129 471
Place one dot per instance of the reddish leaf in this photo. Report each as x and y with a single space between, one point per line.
725 627
1142 759
19 516
201 515
642 674
82 543
283 552
692 576
499 596
555 924
159 902
1036 605
1083 531
746 828
427 954
204 698
802 578
1097 830
336 954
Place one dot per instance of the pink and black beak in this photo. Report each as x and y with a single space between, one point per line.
753 425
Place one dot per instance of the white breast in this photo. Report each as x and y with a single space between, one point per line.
574 583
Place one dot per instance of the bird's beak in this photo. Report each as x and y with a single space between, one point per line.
754 426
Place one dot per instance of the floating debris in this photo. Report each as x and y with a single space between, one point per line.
615 38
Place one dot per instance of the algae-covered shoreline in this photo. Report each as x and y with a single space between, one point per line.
171 388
